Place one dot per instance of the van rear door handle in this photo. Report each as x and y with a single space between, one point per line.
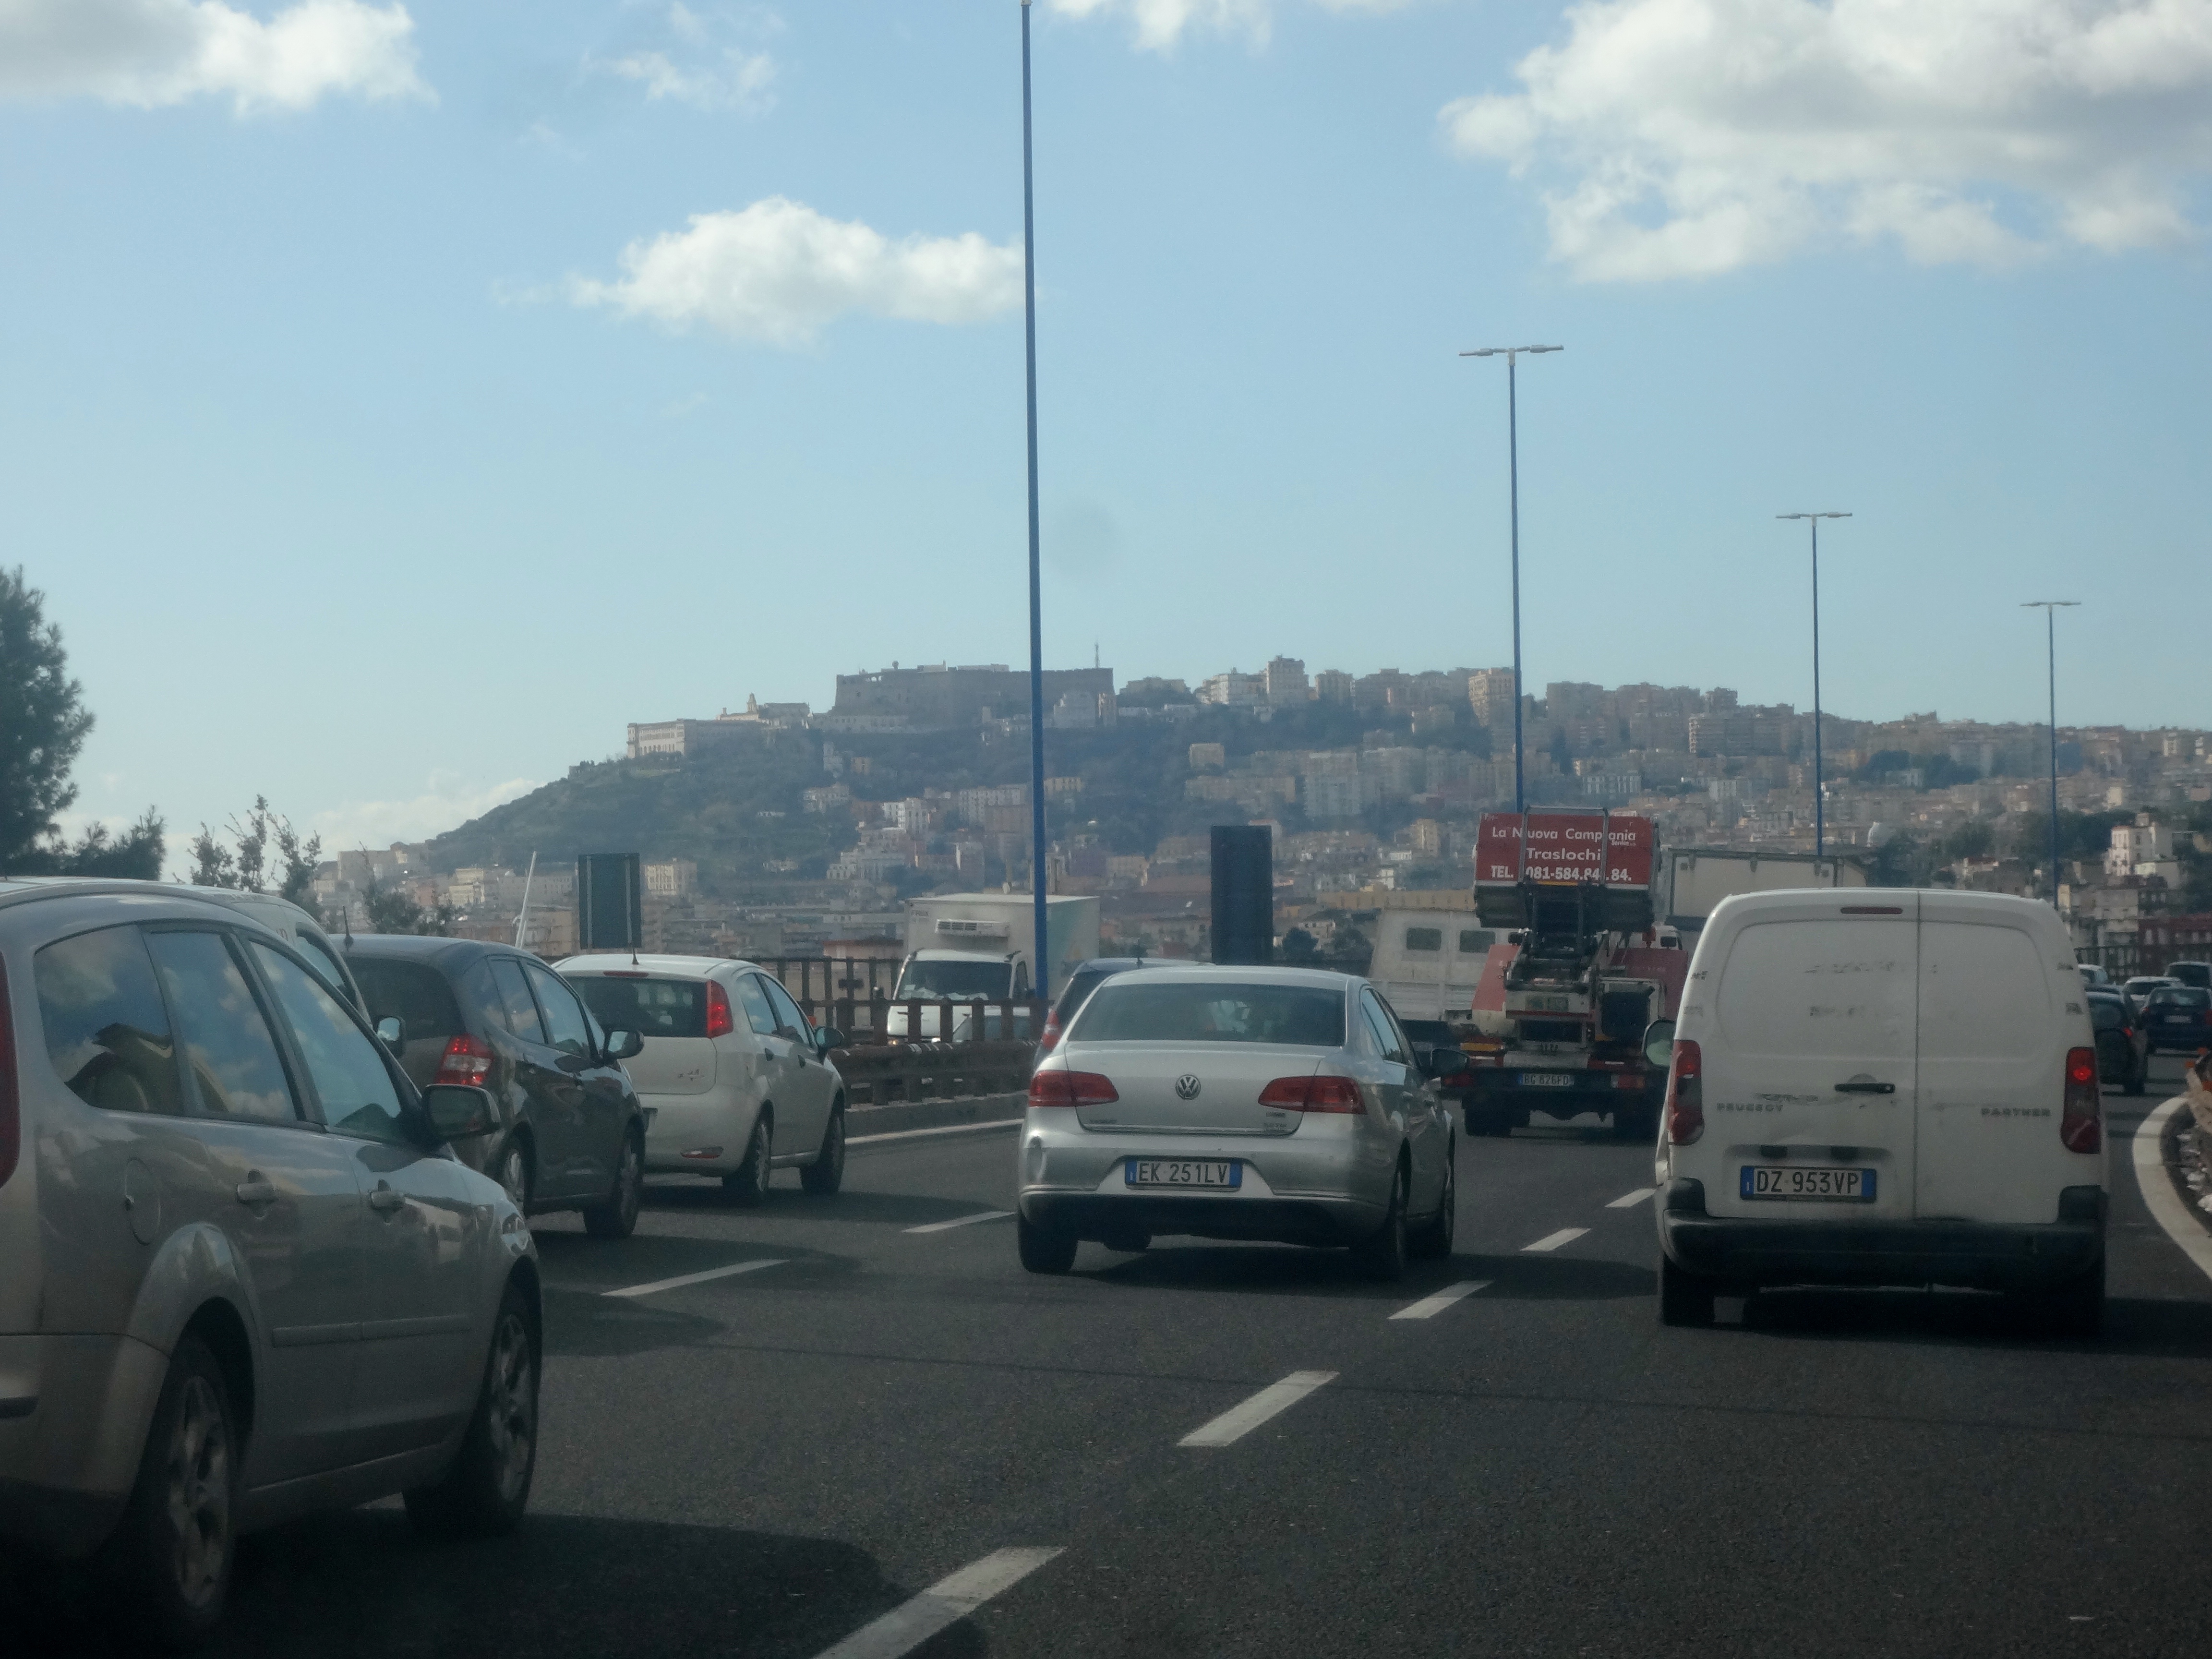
256 1189
1865 1086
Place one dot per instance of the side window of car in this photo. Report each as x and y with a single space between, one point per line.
230 1055
324 964
519 1010
787 1014
106 1031
355 1091
754 1000
1385 1037
564 1016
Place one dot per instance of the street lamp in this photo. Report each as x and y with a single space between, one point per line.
1820 803
1042 985
1513 469
2051 608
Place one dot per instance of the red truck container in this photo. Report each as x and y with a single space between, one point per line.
1560 1013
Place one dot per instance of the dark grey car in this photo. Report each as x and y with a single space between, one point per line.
572 1133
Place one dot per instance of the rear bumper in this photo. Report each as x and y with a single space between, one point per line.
1592 1091
1276 1220
1978 1256
70 1442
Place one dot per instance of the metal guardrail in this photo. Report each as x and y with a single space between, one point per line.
854 994
879 1074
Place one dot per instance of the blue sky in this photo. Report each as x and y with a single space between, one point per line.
395 403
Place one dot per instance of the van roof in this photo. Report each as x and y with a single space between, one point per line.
1935 903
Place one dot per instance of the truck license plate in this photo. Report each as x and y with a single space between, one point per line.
1547 1079
1183 1172
1786 1182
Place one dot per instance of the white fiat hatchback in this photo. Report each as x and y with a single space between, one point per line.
736 1081
1877 1087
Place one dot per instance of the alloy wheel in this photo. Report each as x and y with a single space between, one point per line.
511 1406
198 1493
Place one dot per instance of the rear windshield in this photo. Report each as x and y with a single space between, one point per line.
1078 991
651 1007
2190 973
2179 996
415 992
1131 1011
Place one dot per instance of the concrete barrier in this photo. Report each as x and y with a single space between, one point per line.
903 1117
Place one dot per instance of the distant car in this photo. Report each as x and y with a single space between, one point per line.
246 1279
2178 1016
2198 974
1272 1103
2137 990
2123 1045
738 1082
2093 975
571 1133
1086 977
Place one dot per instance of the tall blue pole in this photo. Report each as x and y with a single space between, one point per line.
1820 804
1043 965
1513 470
2050 646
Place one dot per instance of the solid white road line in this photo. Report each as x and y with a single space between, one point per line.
948 1600
1551 1242
1429 1306
693 1278
2157 1187
941 1129
1238 1421
961 1221
1630 1200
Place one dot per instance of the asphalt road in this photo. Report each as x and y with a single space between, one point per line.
766 1461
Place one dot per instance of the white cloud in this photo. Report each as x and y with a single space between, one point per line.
446 804
1684 137
779 272
153 52
705 59
1160 24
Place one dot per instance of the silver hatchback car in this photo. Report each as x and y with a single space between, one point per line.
244 1276
1274 1104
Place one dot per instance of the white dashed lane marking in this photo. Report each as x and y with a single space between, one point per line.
1429 1306
681 1279
947 1602
1630 1200
1238 1421
1553 1241
961 1221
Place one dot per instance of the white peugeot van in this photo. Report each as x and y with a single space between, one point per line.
1882 1087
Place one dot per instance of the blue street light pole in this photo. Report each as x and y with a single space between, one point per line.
1043 962
2051 608
1513 472
1820 792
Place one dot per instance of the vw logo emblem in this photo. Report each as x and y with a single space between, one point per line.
1187 1087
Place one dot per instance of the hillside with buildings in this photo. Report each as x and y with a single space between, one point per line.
777 827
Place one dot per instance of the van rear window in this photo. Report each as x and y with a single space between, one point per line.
651 1007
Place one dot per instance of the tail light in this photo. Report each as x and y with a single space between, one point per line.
1686 1094
11 1100
719 1021
1313 1094
1050 1036
467 1060
1058 1088
2081 1126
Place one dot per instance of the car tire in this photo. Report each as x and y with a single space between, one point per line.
173 1554
512 1171
826 1174
1684 1297
485 1492
748 1182
2073 1311
1043 1250
1381 1254
1432 1240
617 1217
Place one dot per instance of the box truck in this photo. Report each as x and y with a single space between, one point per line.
982 947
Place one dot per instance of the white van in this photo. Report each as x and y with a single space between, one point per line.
1882 1087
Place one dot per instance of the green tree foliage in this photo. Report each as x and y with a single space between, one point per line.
43 722
245 865
2080 835
387 910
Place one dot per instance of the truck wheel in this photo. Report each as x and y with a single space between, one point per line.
1685 1299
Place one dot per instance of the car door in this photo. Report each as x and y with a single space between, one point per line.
284 1194
424 1236
1428 1125
595 1089
816 1083
1398 1082
782 1067
552 1098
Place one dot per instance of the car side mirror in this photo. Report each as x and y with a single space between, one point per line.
830 1037
623 1045
1448 1059
460 1111
1659 1043
391 1032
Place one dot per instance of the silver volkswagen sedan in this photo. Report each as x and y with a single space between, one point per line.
1273 1104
